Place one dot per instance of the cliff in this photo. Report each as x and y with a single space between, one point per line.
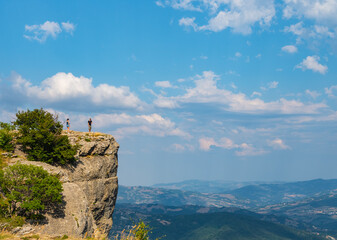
90 188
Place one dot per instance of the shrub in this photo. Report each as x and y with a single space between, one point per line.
29 190
4 206
6 136
142 231
40 137
10 223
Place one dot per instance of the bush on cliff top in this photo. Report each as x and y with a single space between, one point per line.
39 133
6 136
28 190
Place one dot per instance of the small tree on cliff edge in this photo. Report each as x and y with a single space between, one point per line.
40 137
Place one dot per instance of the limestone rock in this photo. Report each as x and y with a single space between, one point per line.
89 187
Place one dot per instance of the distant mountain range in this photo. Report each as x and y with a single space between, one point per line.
248 197
206 186
296 210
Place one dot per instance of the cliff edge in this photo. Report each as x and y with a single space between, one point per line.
90 187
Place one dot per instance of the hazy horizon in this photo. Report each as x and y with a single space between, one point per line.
191 89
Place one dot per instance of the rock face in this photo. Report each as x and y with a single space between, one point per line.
89 187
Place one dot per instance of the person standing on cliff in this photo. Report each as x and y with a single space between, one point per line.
89 124
68 124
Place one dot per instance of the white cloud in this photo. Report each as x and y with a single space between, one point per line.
164 84
183 4
160 4
311 63
310 32
322 11
323 31
330 91
256 94
206 91
296 29
332 116
238 54
243 149
75 92
249 150
273 84
41 32
313 94
153 124
188 22
164 102
68 27
176 147
206 143
289 49
239 16
278 143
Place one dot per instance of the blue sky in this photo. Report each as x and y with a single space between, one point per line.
192 89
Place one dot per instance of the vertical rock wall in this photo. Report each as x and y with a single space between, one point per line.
90 188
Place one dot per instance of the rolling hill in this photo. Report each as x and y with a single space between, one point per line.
195 222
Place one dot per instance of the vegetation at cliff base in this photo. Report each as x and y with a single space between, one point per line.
39 133
28 190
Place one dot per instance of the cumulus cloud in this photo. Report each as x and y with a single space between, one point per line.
165 102
68 27
313 94
164 84
278 143
270 85
188 22
322 11
73 92
289 49
153 124
206 143
330 91
40 32
239 16
311 63
249 150
256 94
316 32
243 149
206 91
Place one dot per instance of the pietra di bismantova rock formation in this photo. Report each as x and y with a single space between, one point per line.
90 187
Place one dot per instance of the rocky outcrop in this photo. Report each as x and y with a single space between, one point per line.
89 187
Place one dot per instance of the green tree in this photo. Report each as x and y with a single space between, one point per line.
29 190
6 136
39 133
